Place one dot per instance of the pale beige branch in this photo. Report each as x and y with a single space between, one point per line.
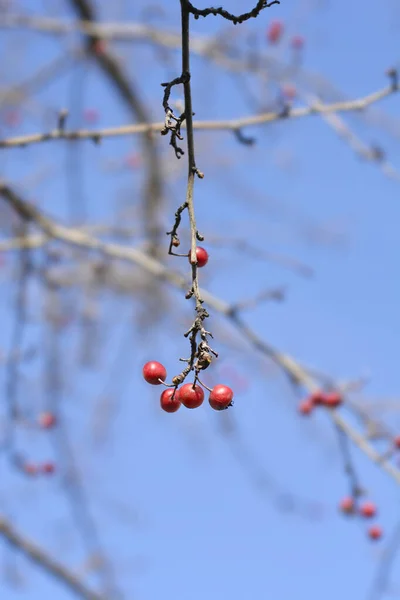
231 125
291 367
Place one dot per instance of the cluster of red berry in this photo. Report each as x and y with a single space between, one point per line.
320 398
32 469
189 395
46 420
366 510
275 33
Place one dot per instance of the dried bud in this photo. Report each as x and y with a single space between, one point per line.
204 361
176 242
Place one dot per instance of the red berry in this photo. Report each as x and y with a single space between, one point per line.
91 115
30 469
289 91
274 32
375 532
332 399
133 160
201 255
368 510
396 442
47 420
169 404
153 371
220 397
191 398
306 406
317 397
48 468
12 118
297 42
347 505
100 47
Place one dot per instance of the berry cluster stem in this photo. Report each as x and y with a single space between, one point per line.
190 144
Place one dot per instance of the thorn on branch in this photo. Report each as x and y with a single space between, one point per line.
62 117
242 138
393 75
377 153
285 112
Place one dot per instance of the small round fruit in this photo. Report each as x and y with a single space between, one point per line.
347 505
30 469
48 468
220 397
306 407
274 32
368 510
375 532
297 42
153 371
191 398
169 404
289 91
47 420
317 397
201 255
396 442
332 400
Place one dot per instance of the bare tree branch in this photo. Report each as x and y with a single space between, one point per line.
41 558
317 108
296 373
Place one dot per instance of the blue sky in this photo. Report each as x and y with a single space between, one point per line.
184 509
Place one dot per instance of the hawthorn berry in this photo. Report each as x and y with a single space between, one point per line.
30 469
133 160
12 118
297 42
100 47
201 256
191 398
169 404
220 397
368 510
347 505
47 420
332 399
375 532
91 115
289 91
317 397
306 406
48 468
153 371
275 32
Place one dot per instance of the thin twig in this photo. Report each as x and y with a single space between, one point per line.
46 562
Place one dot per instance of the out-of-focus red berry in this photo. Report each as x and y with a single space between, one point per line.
275 32
347 505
